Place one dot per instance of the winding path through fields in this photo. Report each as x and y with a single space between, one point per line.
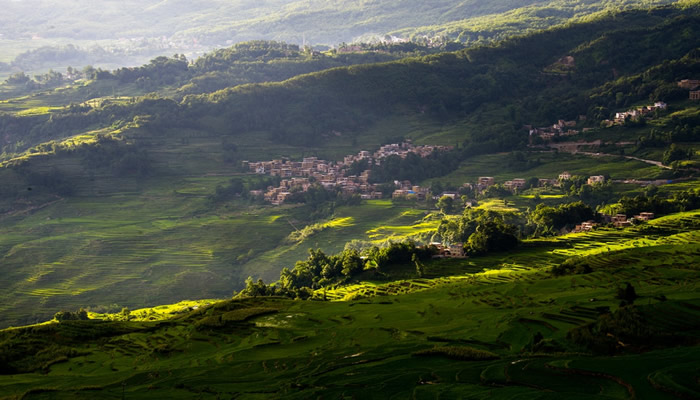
573 148
652 162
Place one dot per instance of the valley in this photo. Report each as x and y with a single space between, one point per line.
515 216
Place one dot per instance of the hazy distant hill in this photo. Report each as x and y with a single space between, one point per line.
135 30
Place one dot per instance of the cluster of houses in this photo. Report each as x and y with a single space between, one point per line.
621 220
299 175
561 128
635 113
692 85
515 184
518 183
408 191
454 250
396 149
564 128
484 182
618 221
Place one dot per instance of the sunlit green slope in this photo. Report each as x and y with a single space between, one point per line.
497 327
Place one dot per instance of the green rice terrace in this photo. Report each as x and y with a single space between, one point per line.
507 325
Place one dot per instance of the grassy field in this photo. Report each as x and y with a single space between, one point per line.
467 329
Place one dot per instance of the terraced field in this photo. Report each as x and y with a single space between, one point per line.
154 245
423 338
549 165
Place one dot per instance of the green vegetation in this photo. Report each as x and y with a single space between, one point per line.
546 335
149 192
126 190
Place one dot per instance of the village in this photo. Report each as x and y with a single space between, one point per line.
300 175
560 129
635 114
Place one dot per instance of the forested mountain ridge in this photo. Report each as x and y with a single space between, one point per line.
451 85
67 32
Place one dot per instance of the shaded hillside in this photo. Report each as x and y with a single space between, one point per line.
446 87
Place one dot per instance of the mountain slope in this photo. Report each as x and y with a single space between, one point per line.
515 330
144 29
127 187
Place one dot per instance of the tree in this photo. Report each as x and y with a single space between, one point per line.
445 204
255 289
64 316
627 294
351 262
675 153
19 78
493 235
420 267
546 217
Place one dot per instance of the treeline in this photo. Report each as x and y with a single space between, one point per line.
247 62
320 270
481 231
484 231
658 83
22 133
414 167
448 87
659 204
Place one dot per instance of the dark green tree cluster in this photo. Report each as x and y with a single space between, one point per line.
496 191
675 153
549 219
320 270
681 130
481 231
159 72
415 168
599 193
660 204
573 265
241 187
629 328
80 315
18 78
493 235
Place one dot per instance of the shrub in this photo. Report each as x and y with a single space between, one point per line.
577 266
